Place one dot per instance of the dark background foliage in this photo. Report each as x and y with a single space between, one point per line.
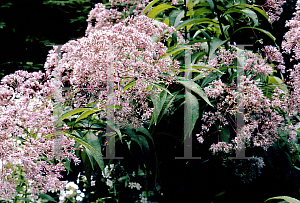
28 26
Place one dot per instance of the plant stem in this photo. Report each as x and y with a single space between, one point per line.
219 19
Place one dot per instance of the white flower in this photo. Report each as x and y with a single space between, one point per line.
81 194
62 198
93 183
72 185
79 199
111 166
131 185
109 183
69 192
138 186
144 200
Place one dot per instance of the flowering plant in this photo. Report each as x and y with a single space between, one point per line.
135 46
27 156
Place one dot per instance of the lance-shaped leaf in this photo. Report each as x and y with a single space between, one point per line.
86 114
261 30
157 9
149 6
168 102
161 87
113 126
262 12
195 88
205 67
93 140
247 12
157 103
130 84
74 135
213 46
72 112
191 114
139 139
146 132
195 21
175 50
175 17
278 82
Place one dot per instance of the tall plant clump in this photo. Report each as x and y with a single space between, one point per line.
28 163
138 63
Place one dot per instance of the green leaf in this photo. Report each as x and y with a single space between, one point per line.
261 30
189 70
204 33
95 115
167 104
173 51
262 12
286 198
191 114
247 12
93 140
211 4
90 156
68 166
160 87
81 141
277 81
252 15
190 4
149 6
205 67
198 77
140 140
146 132
158 103
47 197
195 21
201 11
86 114
130 84
72 112
23 198
175 17
166 21
113 126
157 9
213 46
149 88
195 88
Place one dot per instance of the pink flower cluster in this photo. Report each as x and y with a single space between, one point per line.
26 111
262 119
256 65
221 146
291 43
274 9
292 37
272 54
135 56
215 89
223 58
